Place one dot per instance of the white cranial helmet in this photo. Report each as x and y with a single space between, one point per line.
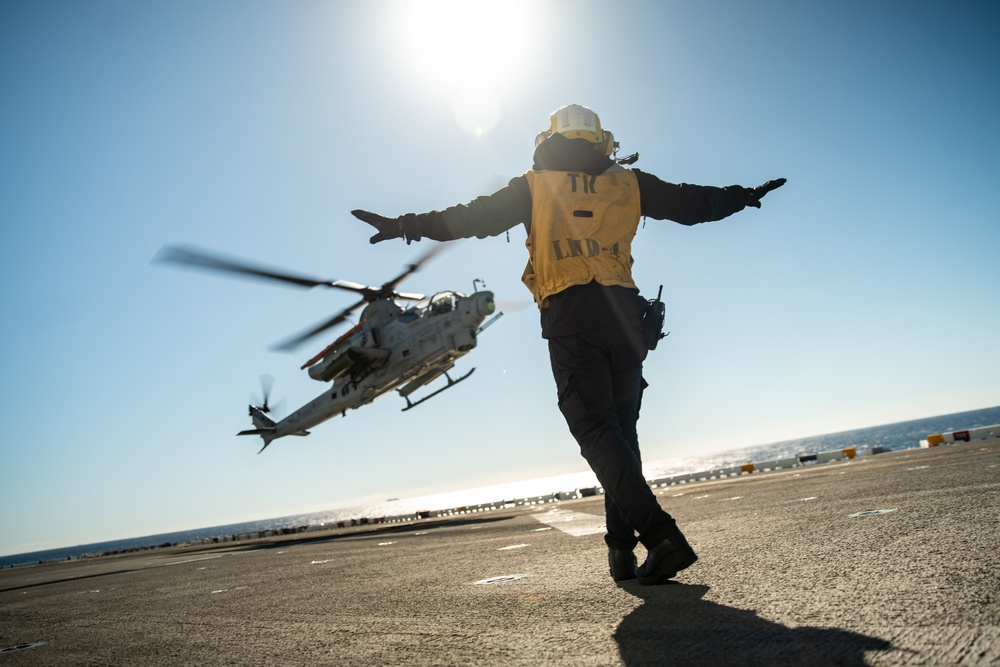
574 121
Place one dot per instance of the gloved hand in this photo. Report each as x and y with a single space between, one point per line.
757 193
388 228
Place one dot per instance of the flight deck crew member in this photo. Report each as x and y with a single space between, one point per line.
581 210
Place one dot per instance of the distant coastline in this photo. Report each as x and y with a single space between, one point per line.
888 437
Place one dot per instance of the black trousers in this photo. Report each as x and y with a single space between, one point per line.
598 376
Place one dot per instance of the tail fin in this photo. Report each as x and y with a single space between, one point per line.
265 426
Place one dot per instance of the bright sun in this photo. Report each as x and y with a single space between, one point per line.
468 50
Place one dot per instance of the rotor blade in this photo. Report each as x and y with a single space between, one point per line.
513 304
427 256
266 385
197 258
410 296
347 284
295 341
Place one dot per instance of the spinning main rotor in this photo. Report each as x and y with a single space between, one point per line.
190 257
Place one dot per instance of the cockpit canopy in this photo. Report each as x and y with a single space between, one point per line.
444 302
438 304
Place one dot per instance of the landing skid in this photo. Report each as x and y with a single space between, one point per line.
451 383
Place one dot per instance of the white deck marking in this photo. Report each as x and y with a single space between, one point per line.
576 524
501 579
871 512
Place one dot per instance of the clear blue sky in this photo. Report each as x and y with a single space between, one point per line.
865 291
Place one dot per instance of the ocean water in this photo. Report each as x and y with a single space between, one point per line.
891 437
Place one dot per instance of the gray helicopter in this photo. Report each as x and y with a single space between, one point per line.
402 342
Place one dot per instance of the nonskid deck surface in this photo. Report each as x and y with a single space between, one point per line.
889 559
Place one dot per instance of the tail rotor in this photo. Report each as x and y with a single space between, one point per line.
266 385
264 425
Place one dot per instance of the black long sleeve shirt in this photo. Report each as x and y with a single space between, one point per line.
492 215
583 307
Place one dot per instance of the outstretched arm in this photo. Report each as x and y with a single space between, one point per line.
692 204
489 215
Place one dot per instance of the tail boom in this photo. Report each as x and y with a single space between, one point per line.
265 427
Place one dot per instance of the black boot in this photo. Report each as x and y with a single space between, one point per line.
666 559
622 564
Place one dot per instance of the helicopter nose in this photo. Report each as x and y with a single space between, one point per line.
485 304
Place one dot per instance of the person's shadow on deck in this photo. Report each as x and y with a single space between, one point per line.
675 625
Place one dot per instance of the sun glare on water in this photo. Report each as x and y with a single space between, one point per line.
468 50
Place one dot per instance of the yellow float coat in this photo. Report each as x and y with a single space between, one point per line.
582 228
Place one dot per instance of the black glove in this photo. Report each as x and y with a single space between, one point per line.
757 193
388 228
